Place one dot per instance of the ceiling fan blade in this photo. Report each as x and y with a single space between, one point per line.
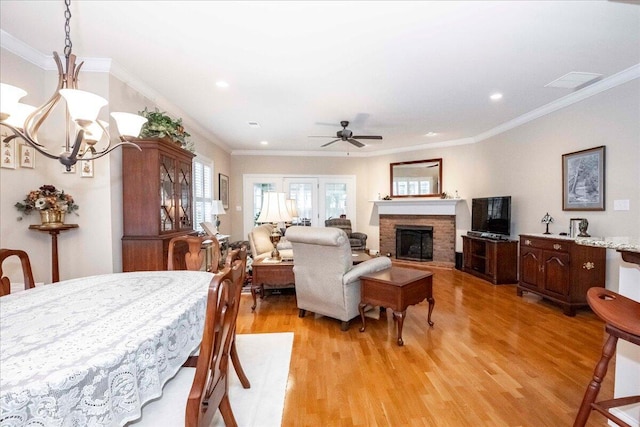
329 143
318 136
356 143
367 136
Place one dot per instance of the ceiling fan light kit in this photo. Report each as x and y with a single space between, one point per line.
348 136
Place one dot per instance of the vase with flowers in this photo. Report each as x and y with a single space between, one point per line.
51 202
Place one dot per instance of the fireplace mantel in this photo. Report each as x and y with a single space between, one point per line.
417 206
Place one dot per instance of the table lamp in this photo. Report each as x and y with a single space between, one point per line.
274 210
216 210
292 208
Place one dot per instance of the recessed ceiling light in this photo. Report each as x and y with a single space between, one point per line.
222 84
430 134
264 142
496 96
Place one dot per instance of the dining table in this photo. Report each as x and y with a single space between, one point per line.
91 351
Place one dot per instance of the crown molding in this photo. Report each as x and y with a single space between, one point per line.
610 82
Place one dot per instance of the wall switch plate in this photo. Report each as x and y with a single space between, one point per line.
621 205
238 208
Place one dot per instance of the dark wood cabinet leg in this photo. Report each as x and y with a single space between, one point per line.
432 303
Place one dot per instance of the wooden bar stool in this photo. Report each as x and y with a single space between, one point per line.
622 318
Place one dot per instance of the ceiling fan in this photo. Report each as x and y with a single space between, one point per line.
346 135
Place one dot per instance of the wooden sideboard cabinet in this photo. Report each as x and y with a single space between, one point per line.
157 202
492 260
560 270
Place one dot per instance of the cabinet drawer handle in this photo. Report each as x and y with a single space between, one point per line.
588 265
557 247
527 242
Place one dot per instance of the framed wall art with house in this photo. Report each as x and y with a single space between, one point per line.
583 177
223 190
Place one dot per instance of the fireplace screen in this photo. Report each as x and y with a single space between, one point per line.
414 242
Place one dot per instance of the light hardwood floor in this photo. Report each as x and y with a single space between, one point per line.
492 359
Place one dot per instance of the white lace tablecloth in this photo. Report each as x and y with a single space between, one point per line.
92 351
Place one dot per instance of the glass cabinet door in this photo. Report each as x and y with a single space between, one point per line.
184 199
167 194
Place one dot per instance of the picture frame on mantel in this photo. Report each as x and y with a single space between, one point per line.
223 190
583 180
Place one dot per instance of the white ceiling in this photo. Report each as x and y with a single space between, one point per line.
396 69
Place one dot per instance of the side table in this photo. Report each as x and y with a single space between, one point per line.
275 274
396 288
54 231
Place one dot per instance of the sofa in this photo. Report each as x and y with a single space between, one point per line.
261 246
327 282
357 240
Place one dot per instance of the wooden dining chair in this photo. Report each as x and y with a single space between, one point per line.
237 257
193 396
5 283
194 248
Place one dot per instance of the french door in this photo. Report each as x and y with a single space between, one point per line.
316 197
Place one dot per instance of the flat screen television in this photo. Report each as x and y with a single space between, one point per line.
491 215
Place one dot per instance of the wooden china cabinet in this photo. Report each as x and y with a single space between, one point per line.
157 202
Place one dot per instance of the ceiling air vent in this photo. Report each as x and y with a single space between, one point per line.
254 124
575 80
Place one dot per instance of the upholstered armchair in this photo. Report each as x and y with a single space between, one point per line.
327 282
261 246
358 241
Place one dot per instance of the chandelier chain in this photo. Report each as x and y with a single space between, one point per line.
67 29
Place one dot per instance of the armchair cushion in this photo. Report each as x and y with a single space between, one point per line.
369 266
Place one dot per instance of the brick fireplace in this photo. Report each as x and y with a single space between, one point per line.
439 214
444 233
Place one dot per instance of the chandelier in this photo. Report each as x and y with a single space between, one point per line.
81 113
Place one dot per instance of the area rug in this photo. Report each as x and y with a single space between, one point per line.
265 359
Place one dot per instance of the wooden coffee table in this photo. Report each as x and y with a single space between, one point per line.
396 288
274 275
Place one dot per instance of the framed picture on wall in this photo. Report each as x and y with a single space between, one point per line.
223 190
87 168
27 156
583 180
8 158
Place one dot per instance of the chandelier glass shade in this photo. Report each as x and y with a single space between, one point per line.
82 128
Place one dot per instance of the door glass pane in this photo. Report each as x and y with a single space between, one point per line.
302 194
335 200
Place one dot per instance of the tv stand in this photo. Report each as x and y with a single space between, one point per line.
493 260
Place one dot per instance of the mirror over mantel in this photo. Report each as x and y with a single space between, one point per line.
418 178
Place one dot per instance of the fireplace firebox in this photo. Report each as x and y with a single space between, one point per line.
414 242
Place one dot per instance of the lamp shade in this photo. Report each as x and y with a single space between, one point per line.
217 208
94 131
83 106
9 97
129 124
292 208
19 114
274 208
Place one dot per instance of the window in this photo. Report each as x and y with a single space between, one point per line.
202 191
